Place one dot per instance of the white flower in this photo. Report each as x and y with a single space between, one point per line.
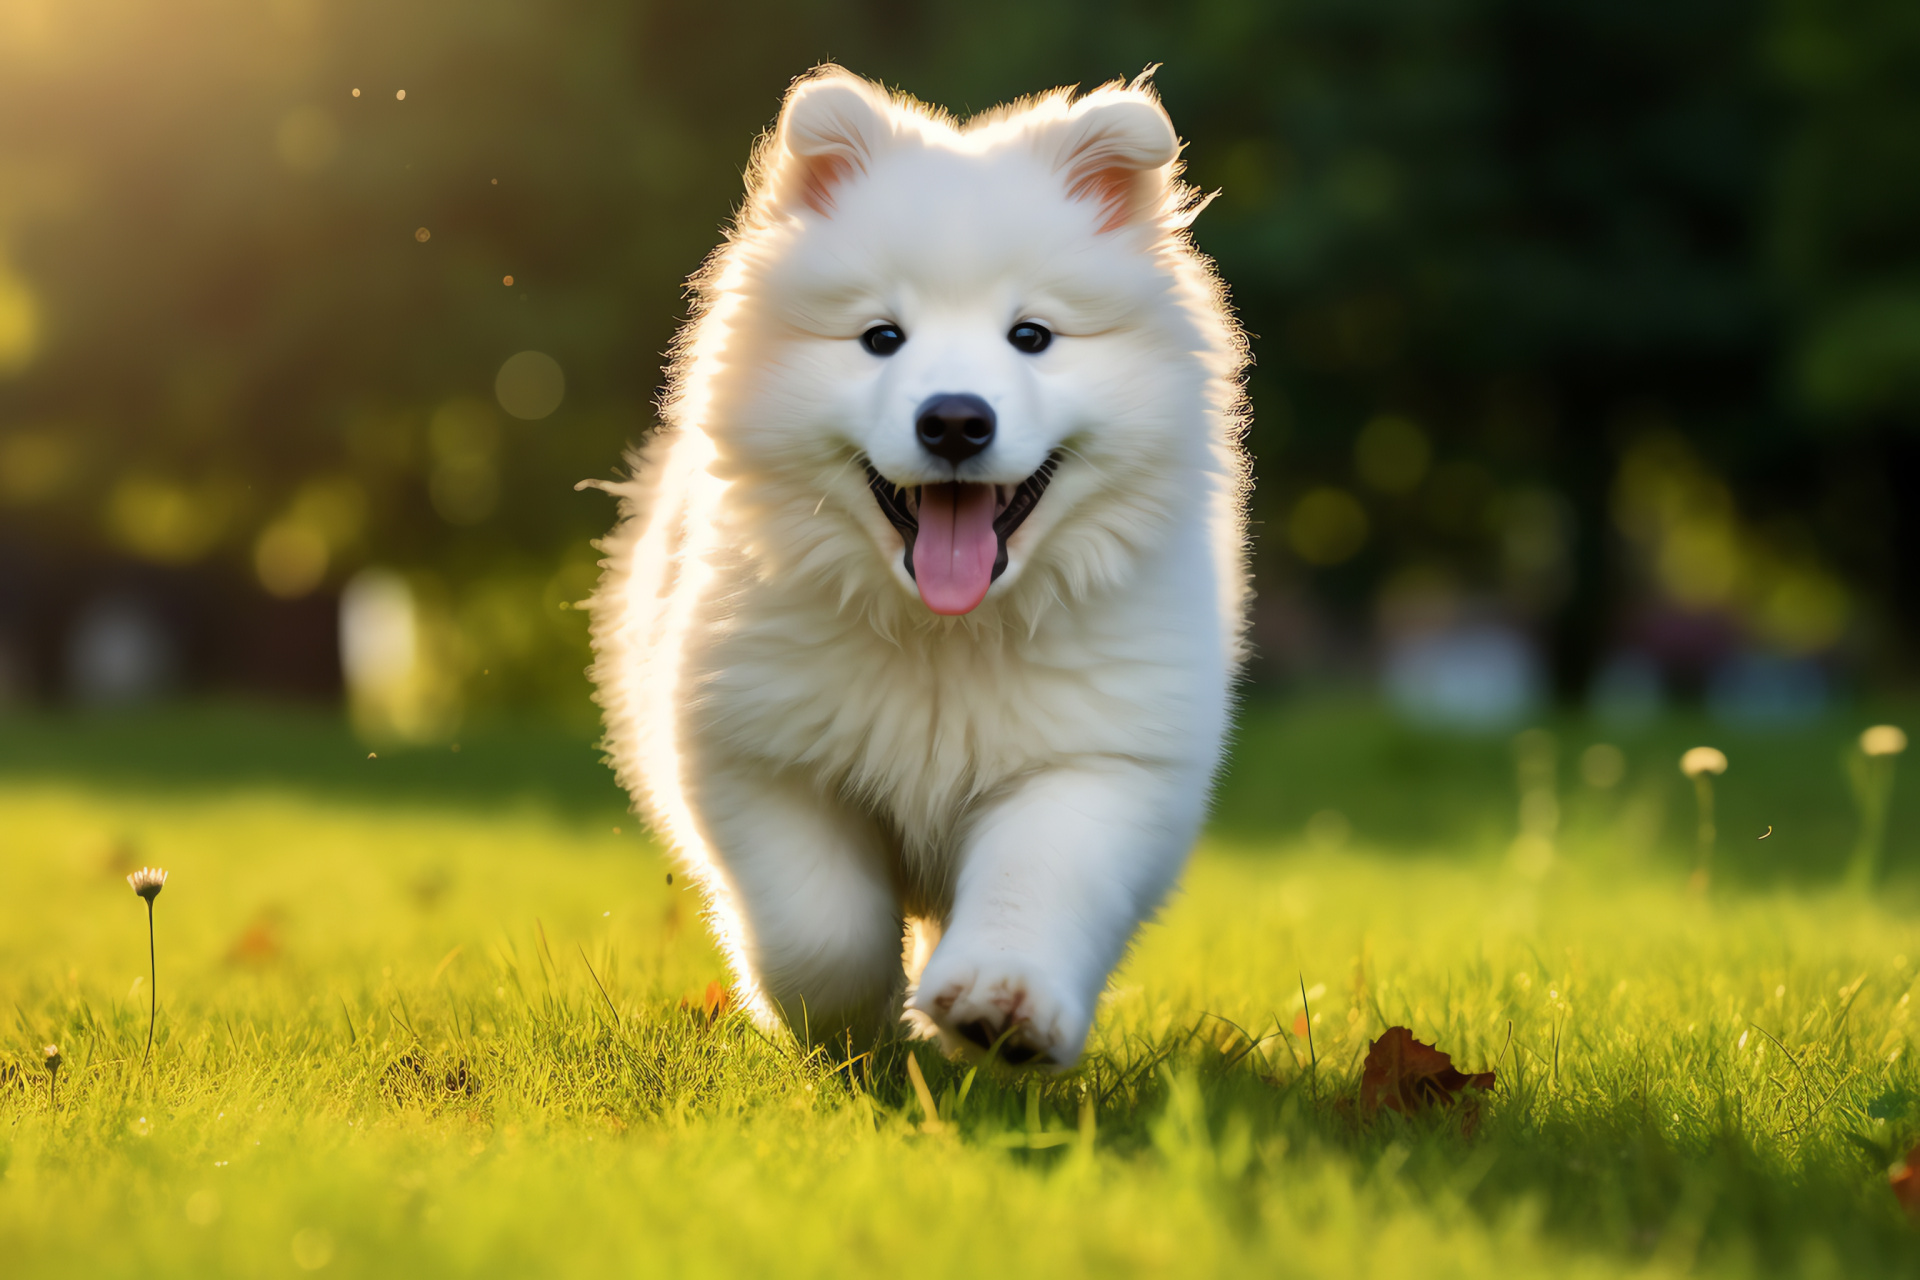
148 881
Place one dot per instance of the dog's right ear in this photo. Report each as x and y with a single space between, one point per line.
832 124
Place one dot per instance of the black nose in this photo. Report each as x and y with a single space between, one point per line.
955 427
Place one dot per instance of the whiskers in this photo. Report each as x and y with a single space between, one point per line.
1084 460
827 489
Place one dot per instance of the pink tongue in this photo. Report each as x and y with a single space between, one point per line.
954 551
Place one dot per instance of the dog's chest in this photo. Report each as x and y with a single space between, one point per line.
924 721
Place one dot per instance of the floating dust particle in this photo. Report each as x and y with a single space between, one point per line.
423 235
455 748
495 181
507 281
401 96
669 877
356 93
616 831
373 755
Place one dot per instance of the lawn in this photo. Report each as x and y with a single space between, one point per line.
442 1013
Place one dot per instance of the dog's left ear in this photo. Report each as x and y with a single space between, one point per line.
832 124
1117 147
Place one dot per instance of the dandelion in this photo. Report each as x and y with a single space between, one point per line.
1703 764
147 883
1870 768
53 1071
1883 740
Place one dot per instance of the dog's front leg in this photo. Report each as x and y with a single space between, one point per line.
1052 883
806 898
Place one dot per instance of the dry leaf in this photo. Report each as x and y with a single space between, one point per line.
1407 1076
713 1004
1904 1178
259 943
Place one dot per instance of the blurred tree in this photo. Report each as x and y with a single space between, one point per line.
254 301
1844 254
1847 204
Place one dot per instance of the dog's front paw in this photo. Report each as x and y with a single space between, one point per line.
979 1001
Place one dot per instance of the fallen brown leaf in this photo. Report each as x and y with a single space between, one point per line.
121 856
258 943
713 1004
1404 1075
1904 1178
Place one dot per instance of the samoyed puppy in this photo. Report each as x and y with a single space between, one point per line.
917 633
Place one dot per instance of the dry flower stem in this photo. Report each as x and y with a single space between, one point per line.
1701 764
147 882
153 988
1708 833
1871 769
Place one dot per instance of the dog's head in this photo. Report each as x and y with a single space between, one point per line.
978 347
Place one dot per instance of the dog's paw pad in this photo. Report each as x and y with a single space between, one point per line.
1001 1011
1014 1049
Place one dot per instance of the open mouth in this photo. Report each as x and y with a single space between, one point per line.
956 532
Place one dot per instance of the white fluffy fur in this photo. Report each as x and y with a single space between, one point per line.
832 762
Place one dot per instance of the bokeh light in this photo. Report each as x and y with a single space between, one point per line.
530 385
1666 460
291 559
465 438
1328 526
19 320
1392 454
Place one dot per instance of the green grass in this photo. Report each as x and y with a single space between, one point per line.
1689 1086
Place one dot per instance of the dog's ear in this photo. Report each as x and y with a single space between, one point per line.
1117 147
832 124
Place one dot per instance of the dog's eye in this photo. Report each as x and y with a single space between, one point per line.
1030 337
883 339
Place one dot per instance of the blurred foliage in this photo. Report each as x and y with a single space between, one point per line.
1847 199
263 266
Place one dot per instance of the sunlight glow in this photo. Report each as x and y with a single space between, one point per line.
668 549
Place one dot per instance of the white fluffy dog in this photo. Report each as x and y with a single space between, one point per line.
925 604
